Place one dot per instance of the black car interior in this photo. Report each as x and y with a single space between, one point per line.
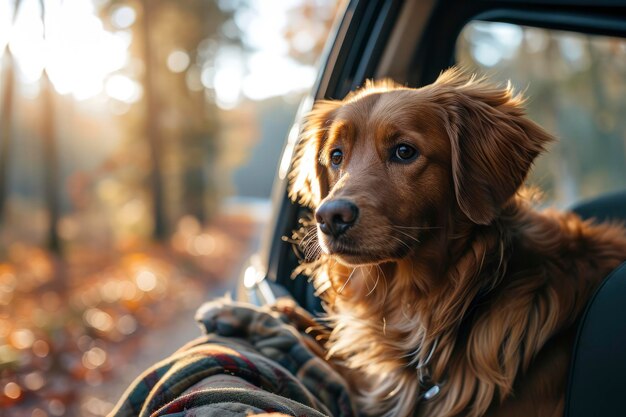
598 370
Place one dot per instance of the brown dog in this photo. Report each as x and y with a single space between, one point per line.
448 293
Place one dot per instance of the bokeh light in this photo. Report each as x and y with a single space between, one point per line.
34 381
178 61
123 88
12 390
146 280
22 338
76 310
122 17
41 348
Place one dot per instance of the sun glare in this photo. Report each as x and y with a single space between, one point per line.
275 75
77 53
228 77
6 11
26 41
268 71
83 59
123 89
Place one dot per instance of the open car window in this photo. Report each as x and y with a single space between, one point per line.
576 88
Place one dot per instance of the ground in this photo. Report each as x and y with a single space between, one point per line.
76 330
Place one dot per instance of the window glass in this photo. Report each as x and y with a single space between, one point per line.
575 84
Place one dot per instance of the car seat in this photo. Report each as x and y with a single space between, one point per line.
597 380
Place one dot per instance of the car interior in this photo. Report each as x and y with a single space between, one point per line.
412 42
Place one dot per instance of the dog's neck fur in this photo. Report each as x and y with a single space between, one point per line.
388 318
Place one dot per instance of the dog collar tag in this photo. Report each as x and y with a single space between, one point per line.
432 392
429 389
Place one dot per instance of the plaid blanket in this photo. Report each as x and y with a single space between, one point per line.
249 361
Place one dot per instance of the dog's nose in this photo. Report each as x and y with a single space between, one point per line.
336 216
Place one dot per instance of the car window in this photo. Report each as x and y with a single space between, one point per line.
576 89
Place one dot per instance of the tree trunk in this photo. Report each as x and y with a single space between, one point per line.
6 125
152 132
51 163
6 121
194 186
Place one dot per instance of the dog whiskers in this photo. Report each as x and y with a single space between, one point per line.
397 229
409 236
417 227
347 281
309 244
401 242
376 283
369 273
309 235
384 282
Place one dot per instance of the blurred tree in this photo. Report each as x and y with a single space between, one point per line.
6 117
188 31
176 42
307 28
51 162
151 120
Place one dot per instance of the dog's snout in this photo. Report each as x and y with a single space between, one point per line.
336 216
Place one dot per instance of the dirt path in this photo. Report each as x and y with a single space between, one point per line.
161 342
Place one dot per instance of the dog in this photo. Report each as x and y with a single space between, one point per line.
447 292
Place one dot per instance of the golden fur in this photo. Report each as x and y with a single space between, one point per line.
447 260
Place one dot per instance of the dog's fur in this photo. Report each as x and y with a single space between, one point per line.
446 259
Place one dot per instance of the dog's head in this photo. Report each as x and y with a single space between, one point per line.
388 163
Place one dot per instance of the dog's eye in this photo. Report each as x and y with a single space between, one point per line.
404 153
336 157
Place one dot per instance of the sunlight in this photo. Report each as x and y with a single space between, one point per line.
78 54
262 25
268 71
6 11
26 42
275 75
228 77
227 88
122 88
502 41
487 54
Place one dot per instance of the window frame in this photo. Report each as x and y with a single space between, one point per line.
602 17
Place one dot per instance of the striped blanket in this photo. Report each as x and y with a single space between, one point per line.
249 361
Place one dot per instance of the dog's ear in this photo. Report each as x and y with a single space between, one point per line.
493 143
308 180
